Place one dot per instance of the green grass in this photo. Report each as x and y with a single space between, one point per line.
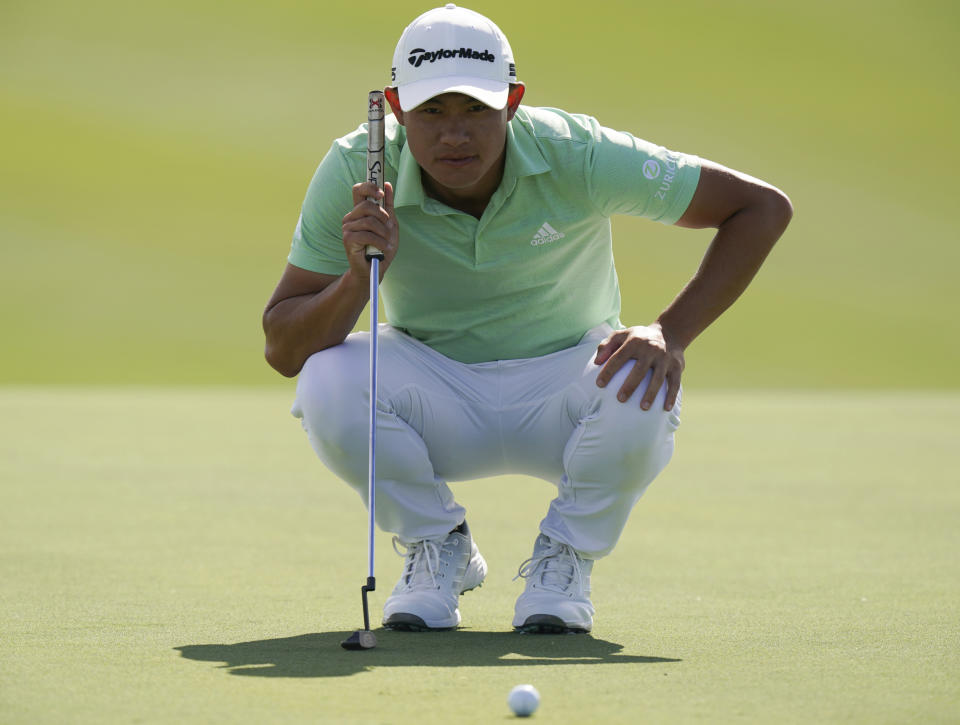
171 551
178 555
159 155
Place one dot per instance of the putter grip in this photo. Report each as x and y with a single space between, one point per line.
375 143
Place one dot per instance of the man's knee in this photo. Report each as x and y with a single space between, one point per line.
626 436
332 391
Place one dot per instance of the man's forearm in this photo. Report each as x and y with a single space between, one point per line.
297 327
736 253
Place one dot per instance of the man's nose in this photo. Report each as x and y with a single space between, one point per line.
454 133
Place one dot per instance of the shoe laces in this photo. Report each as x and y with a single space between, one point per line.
559 567
422 562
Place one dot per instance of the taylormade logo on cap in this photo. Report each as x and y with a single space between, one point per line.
453 50
418 55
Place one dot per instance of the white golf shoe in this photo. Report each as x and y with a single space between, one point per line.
436 572
557 596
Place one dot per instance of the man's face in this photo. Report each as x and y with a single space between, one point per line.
459 143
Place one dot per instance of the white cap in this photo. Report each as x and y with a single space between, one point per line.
453 50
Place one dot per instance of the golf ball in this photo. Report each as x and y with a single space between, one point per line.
523 700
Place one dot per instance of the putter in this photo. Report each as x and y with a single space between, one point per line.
364 638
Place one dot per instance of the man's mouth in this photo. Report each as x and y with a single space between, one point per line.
456 161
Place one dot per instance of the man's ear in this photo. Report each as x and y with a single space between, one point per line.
514 98
393 98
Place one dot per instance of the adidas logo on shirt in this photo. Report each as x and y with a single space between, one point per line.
545 235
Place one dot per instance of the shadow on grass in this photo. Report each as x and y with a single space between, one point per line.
320 655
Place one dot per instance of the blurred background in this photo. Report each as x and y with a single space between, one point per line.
155 156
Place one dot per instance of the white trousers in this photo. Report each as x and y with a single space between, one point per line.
440 420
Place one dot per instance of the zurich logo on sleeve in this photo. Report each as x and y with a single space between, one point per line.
651 169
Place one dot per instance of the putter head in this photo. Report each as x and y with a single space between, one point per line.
361 639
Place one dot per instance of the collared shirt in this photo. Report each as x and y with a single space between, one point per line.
536 271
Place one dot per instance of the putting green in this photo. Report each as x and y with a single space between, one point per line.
177 555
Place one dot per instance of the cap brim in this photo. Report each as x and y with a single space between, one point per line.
489 92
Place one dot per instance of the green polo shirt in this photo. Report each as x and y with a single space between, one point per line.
536 271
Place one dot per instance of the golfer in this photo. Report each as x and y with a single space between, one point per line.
504 352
